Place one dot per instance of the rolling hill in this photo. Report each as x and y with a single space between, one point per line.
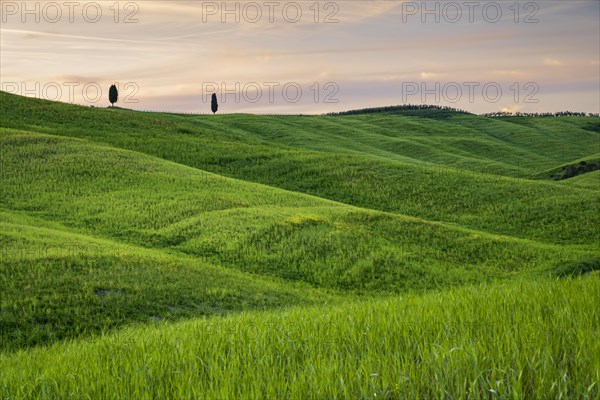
121 224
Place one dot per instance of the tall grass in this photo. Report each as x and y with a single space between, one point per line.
529 340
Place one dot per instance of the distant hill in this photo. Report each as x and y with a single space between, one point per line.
417 110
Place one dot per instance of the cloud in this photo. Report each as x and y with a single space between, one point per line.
509 73
431 75
553 62
170 52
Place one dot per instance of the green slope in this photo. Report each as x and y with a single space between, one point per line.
515 146
527 209
142 202
531 340
499 146
590 180
57 284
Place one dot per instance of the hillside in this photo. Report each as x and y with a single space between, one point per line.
500 341
472 197
120 224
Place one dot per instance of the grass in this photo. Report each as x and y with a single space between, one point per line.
523 340
323 242
58 285
436 187
182 215
590 180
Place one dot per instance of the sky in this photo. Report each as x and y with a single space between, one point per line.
305 56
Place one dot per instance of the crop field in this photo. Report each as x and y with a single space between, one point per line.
398 254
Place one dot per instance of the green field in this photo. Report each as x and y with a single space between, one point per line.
386 255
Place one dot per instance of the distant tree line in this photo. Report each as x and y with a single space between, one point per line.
546 114
429 107
403 107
